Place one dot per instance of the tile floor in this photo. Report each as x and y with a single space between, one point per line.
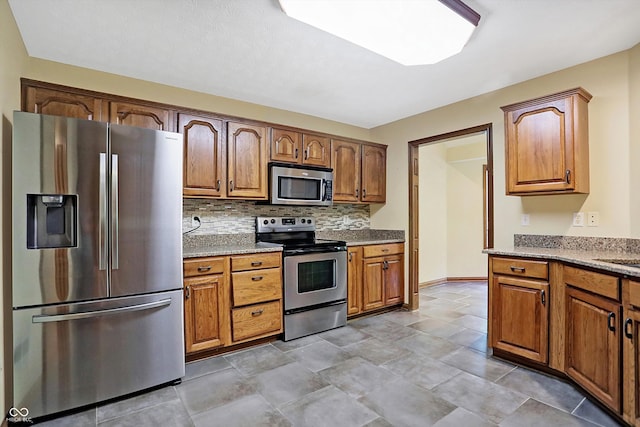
397 369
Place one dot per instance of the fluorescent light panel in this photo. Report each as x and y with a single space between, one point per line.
411 32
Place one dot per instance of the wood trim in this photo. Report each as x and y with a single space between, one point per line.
444 280
414 213
467 279
548 98
434 282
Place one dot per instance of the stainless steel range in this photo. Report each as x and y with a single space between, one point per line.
315 275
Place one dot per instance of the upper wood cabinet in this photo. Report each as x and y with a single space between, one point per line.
204 172
547 144
246 161
300 148
56 103
143 116
359 172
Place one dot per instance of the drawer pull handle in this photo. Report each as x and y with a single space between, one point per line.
256 263
543 297
628 333
385 250
517 269
611 321
257 312
256 278
296 153
204 268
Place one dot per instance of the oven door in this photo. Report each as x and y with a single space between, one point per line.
314 278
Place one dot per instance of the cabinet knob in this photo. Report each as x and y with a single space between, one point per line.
628 332
567 176
296 153
364 192
231 185
218 185
306 154
611 321
187 292
357 192
543 297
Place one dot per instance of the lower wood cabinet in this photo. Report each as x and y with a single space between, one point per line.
520 323
231 299
631 352
206 304
378 280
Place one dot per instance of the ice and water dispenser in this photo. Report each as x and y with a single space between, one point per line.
51 221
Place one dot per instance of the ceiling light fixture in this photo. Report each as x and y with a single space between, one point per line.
411 32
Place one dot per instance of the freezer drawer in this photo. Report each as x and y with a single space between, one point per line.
77 354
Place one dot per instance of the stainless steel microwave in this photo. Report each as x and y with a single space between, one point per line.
300 185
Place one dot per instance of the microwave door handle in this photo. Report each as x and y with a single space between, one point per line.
324 190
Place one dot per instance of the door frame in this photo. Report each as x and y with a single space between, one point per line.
487 129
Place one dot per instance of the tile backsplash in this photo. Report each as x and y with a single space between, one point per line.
238 216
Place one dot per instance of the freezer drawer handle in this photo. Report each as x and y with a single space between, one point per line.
43 318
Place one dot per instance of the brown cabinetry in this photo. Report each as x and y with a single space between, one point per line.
359 172
58 103
592 333
300 148
204 171
382 275
140 115
256 288
547 144
206 314
354 280
631 351
519 305
246 161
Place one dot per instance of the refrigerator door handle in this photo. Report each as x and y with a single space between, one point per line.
43 318
114 212
102 214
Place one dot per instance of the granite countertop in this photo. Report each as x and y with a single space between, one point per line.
231 244
587 258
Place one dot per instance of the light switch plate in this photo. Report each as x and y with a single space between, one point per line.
525 220
578 219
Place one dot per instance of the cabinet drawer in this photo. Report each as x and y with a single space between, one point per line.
597 283
521 267
382 250
250 287
633 297
203 266
256 320
255 261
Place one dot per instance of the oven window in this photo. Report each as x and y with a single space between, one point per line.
316 276
298 188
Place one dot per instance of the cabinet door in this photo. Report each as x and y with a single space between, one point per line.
285 146
520 317
204 156
204 309
142 116
393 279
247 161
593 345
316 150
372 283
345 158
374 176
631 364
354 280
56 103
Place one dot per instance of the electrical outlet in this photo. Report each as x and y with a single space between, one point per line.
525 220
195 220
593 219
578 219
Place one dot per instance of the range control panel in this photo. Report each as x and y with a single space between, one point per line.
284 223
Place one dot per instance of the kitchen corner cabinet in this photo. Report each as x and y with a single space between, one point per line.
519 323
359 172
204 171
631 351
592 333
354 280
300 148
206 312
246 161
547 144
382 276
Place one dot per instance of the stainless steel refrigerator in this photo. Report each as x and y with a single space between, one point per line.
96 261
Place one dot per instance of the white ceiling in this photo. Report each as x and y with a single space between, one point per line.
250 51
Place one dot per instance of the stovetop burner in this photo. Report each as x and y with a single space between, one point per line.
295 234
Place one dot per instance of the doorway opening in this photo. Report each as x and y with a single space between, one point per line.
453 139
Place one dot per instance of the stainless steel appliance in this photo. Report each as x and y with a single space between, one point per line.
315 275
300 185
96 261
